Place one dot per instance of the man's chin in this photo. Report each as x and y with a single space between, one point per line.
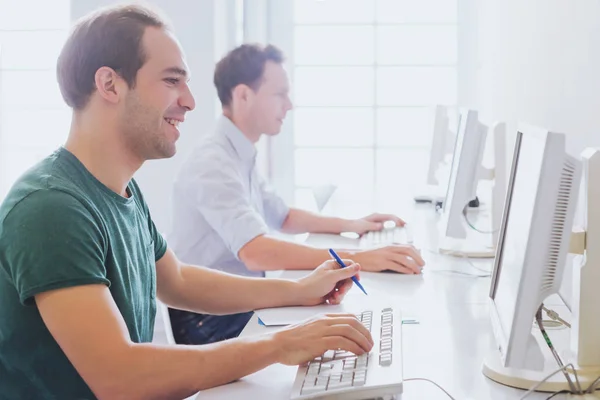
164 152
273 132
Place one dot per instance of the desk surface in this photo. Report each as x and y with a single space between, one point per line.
448 345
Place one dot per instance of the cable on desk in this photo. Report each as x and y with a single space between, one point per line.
486 273
476 267
593 386
564 391
464 213
537 385
430 381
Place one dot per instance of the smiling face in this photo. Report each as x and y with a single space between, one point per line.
152 110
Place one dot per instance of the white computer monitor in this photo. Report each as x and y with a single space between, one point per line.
433 191
462 183
439 143
535 237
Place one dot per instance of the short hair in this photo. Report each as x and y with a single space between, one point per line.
110 37
243 65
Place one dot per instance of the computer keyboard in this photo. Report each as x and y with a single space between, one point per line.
342 375
385 237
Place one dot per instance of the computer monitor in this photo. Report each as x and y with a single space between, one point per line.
465 174
433 192
535 237
462 183
439 143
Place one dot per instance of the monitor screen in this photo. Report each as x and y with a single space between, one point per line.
458 144
516 226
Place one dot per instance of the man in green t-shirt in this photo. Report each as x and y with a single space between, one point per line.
81 262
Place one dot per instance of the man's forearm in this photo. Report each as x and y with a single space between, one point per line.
148 371
229 294
301 221
265 253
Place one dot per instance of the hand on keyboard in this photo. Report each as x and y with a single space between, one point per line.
300 343
405 259
338 374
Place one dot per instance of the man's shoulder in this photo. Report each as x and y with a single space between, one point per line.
214 144
42 186
40 201
210 153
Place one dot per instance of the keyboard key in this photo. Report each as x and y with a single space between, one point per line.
313 389
385 359
360 378
322 381
344 354
347 376
339 385
349 364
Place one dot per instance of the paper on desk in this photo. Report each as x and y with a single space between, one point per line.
290 315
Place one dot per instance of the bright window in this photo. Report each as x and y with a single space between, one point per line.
365 75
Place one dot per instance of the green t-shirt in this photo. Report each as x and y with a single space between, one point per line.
61 227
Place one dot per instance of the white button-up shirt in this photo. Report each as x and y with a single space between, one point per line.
220 203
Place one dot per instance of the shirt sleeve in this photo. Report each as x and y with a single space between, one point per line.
219 197
48 241
276 211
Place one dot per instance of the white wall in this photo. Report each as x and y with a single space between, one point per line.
539 63
194 25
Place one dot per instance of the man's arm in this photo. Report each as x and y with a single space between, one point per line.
264 253
200 289
188 286
301 221
87 325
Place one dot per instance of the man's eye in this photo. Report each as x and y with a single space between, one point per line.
172 81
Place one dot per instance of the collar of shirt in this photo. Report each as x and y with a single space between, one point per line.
243 147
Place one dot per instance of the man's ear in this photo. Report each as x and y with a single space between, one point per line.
241 93
109 84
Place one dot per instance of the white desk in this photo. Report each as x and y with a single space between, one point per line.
447 346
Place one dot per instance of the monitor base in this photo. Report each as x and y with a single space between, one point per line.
525 379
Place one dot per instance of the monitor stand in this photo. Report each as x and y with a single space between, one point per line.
430 194
466 248
542 363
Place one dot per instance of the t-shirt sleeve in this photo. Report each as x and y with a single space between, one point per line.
49 241
160 243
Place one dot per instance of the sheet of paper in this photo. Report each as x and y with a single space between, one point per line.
291 315
353 303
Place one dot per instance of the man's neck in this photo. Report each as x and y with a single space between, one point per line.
243 126
104 157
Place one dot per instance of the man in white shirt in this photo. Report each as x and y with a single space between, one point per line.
223 211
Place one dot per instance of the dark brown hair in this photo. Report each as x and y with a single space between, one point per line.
110 37
243 65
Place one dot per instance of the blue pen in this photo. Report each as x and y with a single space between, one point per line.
342 265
